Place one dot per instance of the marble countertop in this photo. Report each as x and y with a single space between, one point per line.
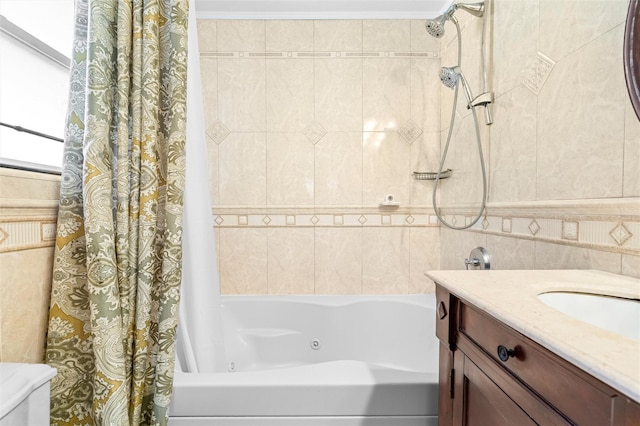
511 297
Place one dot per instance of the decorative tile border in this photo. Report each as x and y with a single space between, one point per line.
612 226
325 220
318 55
26 233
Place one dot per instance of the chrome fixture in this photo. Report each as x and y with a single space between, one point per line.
435 27
479 258
451 77
484 99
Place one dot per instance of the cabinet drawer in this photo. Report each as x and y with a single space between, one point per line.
577 396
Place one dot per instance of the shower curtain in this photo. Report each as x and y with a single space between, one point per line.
118 253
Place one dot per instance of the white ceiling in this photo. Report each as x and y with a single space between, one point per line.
320 9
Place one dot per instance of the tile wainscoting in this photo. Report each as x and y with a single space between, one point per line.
28 212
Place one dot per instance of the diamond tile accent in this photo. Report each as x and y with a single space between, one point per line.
538 72
409 219
362 219
410 131
219 220
218 132
314 219
485 223
620 234
570 231
314 132
534 227
3 236
266 220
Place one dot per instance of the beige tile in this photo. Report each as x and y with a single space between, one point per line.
242 94
580 148
338 260
242 169
289 94
338 35
425 157
465 185
241 35
24 185
209 77
386 35
386 159
455 247
555 256
290 179
338 94
424 256
472 53
568 25
243 261
513 147
291 260
631 153
425 94
338 169
385 260
289 36
511 253
631 265
213 170
207 37
25 289
515 42
386 96
421 41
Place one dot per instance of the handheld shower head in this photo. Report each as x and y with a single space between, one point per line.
435 27
450 77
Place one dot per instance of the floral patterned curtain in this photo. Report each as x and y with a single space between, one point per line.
117 267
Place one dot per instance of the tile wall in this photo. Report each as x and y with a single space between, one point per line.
28 210
310 125
564 150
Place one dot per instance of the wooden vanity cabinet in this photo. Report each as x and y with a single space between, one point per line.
520 384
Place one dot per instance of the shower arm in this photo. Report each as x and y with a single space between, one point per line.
476 9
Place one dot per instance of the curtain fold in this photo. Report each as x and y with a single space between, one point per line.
118 256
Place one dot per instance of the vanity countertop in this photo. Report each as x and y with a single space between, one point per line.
511 297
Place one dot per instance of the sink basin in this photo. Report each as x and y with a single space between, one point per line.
615 314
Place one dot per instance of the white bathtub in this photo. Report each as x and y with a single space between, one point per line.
318 360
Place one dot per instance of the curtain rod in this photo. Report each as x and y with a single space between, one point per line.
33 132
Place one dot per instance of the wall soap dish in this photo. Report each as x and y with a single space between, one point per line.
389 201
445 174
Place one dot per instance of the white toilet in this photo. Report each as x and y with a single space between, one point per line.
24 394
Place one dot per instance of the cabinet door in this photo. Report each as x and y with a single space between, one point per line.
478 401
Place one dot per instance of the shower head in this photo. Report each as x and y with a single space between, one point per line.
450 76
435 27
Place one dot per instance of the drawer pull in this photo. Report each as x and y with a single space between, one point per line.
504 354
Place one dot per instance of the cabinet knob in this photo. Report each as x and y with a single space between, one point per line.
504 353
